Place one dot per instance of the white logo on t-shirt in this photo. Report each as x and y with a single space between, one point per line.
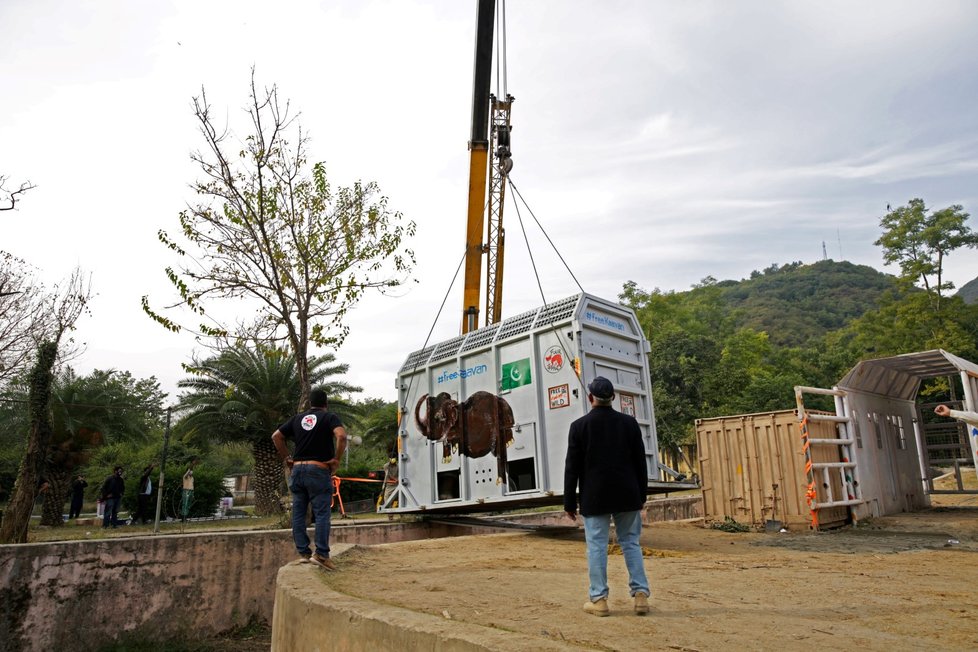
309 422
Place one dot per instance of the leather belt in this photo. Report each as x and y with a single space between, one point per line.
322 465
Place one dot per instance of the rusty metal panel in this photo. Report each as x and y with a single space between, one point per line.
752 469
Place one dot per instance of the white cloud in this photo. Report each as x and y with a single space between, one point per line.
659 141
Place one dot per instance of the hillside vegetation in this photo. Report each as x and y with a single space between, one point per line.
969 291
796 303
732 347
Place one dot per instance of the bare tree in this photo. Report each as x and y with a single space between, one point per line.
65 305
9 198
269 231
21 313
31 314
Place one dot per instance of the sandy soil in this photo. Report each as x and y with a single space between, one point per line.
902 582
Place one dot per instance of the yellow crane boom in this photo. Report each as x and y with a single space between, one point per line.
486 110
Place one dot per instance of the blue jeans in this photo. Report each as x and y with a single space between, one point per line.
111 513
311 484
628 529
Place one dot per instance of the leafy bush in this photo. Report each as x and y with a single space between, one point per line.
208 476
362 461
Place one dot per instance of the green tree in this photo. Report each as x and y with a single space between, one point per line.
919 241
269 230
377 424
67 306
245 393
16 518
85 412
907 323
134 456
703 363
685 331
795 304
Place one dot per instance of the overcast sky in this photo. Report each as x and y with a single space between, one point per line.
659 142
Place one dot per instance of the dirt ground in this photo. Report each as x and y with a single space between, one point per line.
901 582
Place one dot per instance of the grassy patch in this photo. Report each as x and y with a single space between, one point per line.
74 532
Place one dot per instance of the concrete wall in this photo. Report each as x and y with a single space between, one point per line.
85 594
673 509
88 593
311 616
80 595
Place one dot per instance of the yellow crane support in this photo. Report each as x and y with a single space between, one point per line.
495 234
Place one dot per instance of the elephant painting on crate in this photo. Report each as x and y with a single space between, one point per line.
480 425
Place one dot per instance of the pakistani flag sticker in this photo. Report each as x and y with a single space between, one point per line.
516 374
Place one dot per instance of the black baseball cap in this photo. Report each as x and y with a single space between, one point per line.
601 388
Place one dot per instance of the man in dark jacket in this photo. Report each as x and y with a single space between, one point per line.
77 496
606 456
112 490
145 492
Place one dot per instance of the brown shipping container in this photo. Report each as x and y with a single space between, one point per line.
741 459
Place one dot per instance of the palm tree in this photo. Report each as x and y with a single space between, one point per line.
84 412
378 424
244 393
87 411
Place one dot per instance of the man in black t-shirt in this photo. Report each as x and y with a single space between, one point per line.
311 469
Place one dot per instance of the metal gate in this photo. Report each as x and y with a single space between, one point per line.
945 444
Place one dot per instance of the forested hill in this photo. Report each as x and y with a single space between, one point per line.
735 347
969 291
796 303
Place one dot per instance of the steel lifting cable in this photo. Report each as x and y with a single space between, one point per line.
434 323
542 230
529 251
533 263
501 80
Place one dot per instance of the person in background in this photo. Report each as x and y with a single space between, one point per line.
606 456
145 491
390 477
187 499
112 490
77 496
311 469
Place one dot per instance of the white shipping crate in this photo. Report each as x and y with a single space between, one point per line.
485 416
